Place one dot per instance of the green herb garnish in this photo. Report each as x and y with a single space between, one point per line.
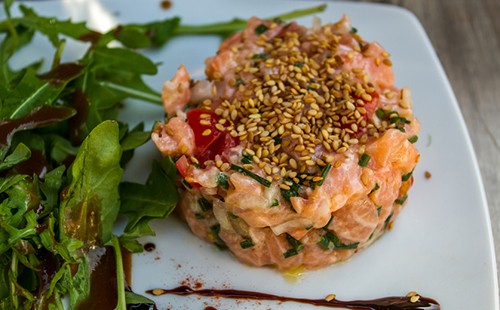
292 192
406 176
324 173
413 139
222 180
364 159
376 187
259 56
388 220
257 178
296 244
380 113
401 200
239 82
329 241
204 204
215 229
247 243
290 253
260 29
246 158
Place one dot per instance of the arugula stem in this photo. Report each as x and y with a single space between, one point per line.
14 270
134 93
120 279
57 56
237 24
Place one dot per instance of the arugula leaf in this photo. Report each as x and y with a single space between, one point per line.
39 117
154 200
20 154
122 59
92 199
52 27
154 34
135 138
34 91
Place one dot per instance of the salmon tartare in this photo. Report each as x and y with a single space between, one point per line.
297 150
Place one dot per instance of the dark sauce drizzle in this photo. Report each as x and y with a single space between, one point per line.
386 303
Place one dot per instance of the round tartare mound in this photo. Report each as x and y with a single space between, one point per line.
297 150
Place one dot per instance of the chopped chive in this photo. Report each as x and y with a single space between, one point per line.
379 208
398 120
324 173
215 229
401 200
239 82
353 30
329 222
376 187
196 165
275 203
205 205
380 113
413 139
186 184
199 216
257 178
260 29
388 220
290 253
309 227
292 192
407 176
277 140
296 244
259 56
364 159
222 180
246 159
233 216
298 64
245 244
329 241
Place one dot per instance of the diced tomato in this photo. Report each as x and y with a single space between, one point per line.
209 140
223 142
204 134
182 165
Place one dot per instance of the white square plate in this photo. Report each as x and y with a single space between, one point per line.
441 244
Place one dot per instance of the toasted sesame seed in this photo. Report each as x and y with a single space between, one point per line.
284 186
158 291
225 167
330 297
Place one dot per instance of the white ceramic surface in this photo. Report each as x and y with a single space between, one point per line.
441 244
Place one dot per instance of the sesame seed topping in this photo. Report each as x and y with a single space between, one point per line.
330 297
298 107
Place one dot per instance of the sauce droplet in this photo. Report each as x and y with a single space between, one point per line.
149 247
166 4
